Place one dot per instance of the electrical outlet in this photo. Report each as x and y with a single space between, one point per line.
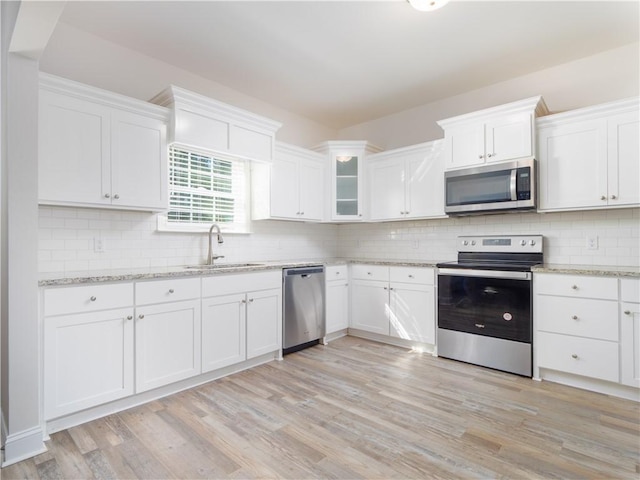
99 245
416 244
592 242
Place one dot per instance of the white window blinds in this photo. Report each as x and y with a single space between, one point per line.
206 188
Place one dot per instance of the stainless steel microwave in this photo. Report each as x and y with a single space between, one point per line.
500 187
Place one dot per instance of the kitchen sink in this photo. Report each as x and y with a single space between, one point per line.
223 265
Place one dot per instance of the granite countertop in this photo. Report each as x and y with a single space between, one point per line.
596 270
129 274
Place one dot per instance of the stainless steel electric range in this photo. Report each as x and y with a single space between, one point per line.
485 302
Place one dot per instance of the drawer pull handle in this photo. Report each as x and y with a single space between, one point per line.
141 316
129 317
171 290
410 276
93 299
575 355
574 317
627 312
368 273
574 287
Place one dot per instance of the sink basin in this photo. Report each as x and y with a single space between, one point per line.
218 266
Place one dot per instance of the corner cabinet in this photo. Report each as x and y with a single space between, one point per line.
208 124
291 187
346 182
590 158
491 135
100 149
407 183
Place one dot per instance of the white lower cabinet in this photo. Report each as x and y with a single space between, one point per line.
241 317
88 346
168 333
630 332
587 326
394 301
337 298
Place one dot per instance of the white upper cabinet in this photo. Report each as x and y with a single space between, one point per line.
590 158
99 149
291 187
495 134
204 123
346 184
406 183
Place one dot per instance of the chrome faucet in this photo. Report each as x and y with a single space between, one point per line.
210 256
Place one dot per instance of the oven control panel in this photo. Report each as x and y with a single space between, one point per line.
506 244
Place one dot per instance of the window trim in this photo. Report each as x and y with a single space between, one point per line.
163 224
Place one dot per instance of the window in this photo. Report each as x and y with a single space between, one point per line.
206 188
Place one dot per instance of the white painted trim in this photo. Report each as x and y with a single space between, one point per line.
311 155
398 342
22 445
534 105
97 95
590 113
591 384
420 147
331 145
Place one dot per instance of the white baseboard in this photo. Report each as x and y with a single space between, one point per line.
23 445
398 342
591 384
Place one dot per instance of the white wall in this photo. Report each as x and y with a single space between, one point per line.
565 235
78 55
611 75
66 241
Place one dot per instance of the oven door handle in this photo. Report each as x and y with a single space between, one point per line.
463 272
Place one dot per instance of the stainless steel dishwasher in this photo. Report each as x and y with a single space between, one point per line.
304 307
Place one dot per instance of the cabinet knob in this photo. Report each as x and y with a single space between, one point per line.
297 213
251 300
491 155
574 287
603 197
116 196
301 213
480 157
613 197
627 312
141 316
129 317
574 317
107 195
368 273
243 301
93 299
410 276
171 290
386 288
575 355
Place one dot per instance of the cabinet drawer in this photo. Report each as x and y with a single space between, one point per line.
87 298
577 286
335 272
417 275
241 282
172 290
630 290
370 272
581 356
578 316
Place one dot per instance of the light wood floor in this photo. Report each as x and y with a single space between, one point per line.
356 409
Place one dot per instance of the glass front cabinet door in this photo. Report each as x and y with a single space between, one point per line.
346 180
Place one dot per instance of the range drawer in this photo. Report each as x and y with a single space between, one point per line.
576 286
580 356
578 316
172 290
416 275
370 272
241 282
87 298
335 272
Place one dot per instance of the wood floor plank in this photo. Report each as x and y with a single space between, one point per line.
356 409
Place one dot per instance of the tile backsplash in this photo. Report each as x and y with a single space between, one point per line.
130 239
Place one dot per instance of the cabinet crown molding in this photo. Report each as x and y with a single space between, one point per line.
82 91
173 97
591 112
282 147
534 105
332 145
426 147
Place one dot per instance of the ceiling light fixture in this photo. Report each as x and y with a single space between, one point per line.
427 5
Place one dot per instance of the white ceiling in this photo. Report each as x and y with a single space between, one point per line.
342 63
